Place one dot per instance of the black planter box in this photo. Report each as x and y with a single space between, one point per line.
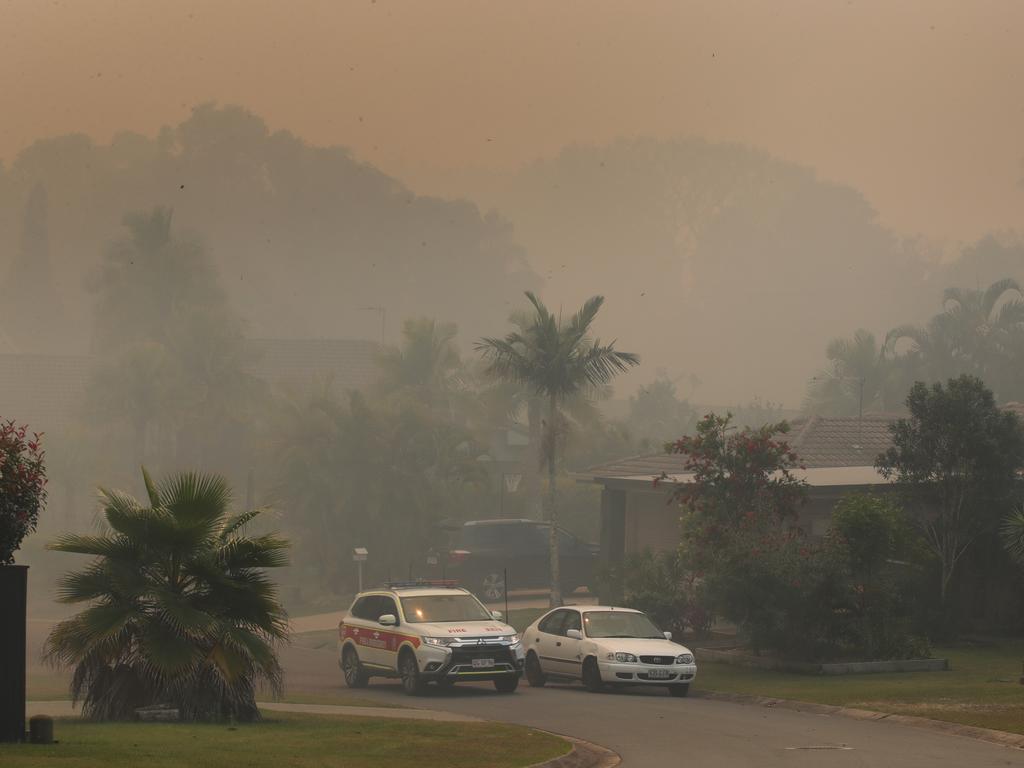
13 607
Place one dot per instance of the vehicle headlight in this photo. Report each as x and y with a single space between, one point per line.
441 641
510 639
684 658
620 656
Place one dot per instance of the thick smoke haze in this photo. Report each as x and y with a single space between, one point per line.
916 103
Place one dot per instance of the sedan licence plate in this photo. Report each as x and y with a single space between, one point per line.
483 663
658 674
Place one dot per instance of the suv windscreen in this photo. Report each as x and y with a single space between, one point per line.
619 624
428 608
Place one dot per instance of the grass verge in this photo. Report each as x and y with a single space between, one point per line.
982 688
286 740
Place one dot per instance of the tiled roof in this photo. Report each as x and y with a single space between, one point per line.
819 441
1017 408
352 363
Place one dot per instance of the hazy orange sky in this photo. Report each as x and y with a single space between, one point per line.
919 103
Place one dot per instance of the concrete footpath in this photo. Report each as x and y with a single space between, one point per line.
65 709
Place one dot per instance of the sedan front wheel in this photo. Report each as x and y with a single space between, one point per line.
592 676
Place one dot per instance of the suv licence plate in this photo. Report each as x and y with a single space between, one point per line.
483 663
658 674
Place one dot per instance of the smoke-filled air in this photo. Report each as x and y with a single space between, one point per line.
711 312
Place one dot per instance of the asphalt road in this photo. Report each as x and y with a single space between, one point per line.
649 728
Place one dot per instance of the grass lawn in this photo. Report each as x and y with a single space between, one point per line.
288 741
982 689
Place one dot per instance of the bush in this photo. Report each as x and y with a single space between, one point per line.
660 585
22 487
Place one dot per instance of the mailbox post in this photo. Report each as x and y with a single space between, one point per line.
359 555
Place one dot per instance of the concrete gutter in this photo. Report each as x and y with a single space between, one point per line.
1002 738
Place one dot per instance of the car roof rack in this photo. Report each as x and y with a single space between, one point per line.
406 583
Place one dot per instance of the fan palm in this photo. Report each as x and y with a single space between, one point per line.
181 611
557 361
1013 534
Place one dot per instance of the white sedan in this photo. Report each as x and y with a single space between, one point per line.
602 645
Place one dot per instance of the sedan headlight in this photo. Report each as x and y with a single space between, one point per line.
441 641
684 658
622 657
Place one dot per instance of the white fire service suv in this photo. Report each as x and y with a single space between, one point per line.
427 632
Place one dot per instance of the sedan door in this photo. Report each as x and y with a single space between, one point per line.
547 641
567 649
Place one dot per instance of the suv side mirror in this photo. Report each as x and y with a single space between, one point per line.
497 615
387 620
668 635
574 634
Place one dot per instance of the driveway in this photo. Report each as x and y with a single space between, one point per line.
649 729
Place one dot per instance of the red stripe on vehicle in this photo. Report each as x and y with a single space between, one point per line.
377 638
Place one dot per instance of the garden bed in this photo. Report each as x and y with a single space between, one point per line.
739 657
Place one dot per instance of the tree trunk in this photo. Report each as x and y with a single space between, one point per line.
556 581
534 494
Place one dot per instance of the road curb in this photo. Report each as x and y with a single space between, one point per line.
583 754
1002 738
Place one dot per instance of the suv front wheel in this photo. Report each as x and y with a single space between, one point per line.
507 684
409 671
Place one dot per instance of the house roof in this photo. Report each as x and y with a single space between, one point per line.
820 442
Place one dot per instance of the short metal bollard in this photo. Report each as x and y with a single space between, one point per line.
40 729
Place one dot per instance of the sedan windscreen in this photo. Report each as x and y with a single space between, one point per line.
619 624
429 608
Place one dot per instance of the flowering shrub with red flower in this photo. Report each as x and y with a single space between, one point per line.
787 594
22 486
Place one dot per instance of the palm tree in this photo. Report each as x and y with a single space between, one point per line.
427 362
557 362
979 322
859 379
181 611
1013 534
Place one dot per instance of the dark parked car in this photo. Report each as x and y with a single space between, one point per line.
487 548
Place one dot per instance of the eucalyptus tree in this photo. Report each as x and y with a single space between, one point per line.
180 609
557 361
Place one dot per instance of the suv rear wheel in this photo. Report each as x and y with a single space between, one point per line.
355 675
